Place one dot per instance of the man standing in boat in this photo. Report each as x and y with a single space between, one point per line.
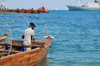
28 36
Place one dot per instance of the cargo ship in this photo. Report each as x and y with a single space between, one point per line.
90 6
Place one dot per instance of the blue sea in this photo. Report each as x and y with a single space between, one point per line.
76 35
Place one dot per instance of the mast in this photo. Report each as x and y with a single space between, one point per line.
96 1
56 8
79 2
3 2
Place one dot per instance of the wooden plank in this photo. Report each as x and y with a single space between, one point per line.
35 44
17 45
31 57
21 42
19 58
12 51
3 53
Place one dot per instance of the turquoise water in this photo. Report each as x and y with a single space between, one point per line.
76 36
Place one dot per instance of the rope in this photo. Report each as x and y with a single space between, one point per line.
10 34
7 22
17 26
44 24
27 34
18 16
10 27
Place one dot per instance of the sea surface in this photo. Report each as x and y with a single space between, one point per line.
76 35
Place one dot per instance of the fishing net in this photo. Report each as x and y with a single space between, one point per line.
15 24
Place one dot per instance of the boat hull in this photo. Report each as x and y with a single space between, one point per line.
27 58
46 11
20 11
76 8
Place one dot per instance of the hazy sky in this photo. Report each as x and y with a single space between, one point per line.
48 4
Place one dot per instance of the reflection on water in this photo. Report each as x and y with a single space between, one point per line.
45 62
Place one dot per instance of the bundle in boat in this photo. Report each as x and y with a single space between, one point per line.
2 38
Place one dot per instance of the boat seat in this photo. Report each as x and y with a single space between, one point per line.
18 43
3 54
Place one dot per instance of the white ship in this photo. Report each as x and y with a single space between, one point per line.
90 6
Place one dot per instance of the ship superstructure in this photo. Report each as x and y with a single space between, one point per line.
3 5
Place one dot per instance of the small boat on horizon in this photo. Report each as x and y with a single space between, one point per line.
56 9
90 6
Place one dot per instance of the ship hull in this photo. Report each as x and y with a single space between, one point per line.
76 8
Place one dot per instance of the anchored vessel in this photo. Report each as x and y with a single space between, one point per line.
90 6
13 54
43 10
56 9
4 9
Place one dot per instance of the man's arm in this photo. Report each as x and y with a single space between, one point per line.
22 36
32 38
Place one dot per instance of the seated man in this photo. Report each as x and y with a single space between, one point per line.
28 36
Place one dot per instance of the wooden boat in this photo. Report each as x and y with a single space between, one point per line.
12 52
20 11
40 48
